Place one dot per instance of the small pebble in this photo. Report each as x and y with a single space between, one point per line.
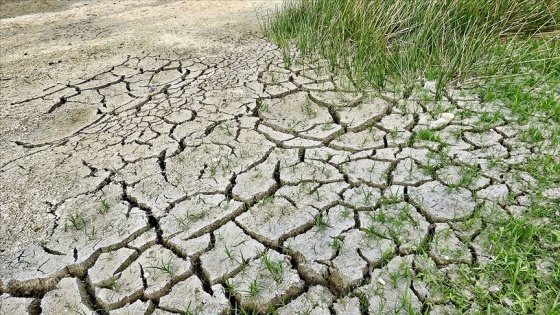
447 117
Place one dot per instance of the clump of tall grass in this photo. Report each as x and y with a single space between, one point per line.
385 42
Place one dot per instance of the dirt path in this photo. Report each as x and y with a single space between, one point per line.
158 157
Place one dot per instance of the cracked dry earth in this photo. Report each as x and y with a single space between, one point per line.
224 179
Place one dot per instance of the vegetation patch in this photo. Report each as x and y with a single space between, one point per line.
391 43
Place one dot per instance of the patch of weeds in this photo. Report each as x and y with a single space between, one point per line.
469 175
532 135
489 118
379 42
428 135
545 168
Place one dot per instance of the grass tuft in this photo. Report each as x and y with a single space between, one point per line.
388 43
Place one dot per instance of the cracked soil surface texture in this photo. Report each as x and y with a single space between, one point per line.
159 156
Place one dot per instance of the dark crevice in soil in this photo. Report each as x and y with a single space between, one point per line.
197 269
87 294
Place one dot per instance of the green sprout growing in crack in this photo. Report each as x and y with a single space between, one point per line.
165 267
265 107
226 203
327 126
113 284
91 235
212 168
317 195
189 218
104 206
276 269
307 109
321 223
266 200
74 309
469 175
394 134
243 263
293 124
346 212
254 288
367 196
229 287
228 253
74 221
188 310
427 135
335 244
228 130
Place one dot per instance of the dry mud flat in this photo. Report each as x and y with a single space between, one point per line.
172 163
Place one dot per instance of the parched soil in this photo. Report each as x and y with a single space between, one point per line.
159 157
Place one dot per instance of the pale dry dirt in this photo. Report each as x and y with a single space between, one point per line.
160 157
72 41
